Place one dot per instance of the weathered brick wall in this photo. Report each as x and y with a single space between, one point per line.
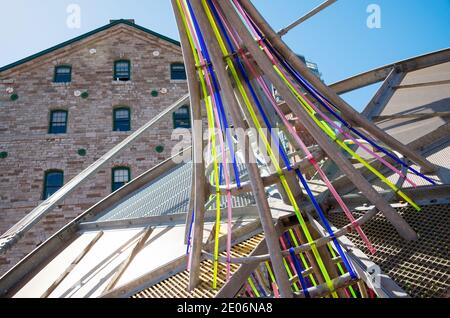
32 151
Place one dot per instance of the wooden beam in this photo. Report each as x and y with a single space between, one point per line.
163 220
72 265
199 166
304 247
190 212
123 267
421 193
252 168
379 74
323 290
384 94
232 287
101 265
309 255
307 16
211 234
422 84
291 179
326 257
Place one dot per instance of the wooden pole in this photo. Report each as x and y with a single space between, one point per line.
347 111
323 290
326 256
199 167
18 230
333 153
253 171
191 200
72 265
363 289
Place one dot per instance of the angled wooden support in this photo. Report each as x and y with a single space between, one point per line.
307 16
253 171
291 179
123 267
302 248
199 166
178 265
72 265
323 141
8 239
326 257
346 110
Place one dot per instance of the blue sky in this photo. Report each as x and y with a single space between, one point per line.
337 39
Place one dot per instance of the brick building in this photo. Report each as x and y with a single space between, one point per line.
65 107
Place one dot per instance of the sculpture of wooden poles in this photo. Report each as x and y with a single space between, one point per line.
346 109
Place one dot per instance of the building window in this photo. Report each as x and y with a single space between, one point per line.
120 177
122 120
122 70
63 74
181 118
54 180
58 122
177 71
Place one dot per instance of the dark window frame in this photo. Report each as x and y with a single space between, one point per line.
123 79
183 77
45 191
176 118
51 126
115 185
56 73
115 121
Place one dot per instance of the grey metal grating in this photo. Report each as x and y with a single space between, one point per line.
167 195
421 268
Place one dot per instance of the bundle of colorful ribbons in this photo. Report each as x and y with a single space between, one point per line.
246 77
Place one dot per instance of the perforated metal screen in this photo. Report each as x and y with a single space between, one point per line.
421 268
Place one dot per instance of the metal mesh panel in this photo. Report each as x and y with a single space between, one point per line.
421 268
